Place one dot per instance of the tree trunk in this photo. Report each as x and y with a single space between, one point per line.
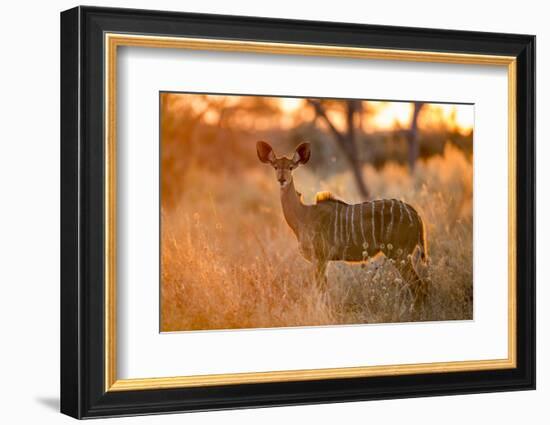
413 139
346 142
353 154
358 176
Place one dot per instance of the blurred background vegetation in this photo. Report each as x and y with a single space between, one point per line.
218 133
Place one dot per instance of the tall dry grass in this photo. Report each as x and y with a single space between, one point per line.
229 260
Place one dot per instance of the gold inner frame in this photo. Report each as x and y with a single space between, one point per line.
113 41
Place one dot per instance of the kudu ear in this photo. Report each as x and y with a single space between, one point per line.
265 152
302 154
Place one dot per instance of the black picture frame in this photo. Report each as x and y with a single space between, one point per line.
83 392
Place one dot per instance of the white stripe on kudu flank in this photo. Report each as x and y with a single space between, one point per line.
336 225
342 234
347 224
353 225
409 213
350 208
382 222
388 232
361 219
372 225
400 212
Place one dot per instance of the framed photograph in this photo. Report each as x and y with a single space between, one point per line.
260 212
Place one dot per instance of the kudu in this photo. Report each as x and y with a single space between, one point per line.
332 230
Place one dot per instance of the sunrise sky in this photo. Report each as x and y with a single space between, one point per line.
379 115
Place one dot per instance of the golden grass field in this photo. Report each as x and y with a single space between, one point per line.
229 260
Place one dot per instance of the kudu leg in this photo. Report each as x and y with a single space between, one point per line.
416 283
321 273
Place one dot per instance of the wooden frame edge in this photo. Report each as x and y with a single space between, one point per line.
114 40
306 375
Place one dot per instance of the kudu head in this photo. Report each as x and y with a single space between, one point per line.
283 166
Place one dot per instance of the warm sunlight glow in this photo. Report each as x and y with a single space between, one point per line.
247 241
389 115
293 111
455 117
289 104
464 117
287 112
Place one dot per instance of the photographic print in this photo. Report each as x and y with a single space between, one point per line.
286 211
256 184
